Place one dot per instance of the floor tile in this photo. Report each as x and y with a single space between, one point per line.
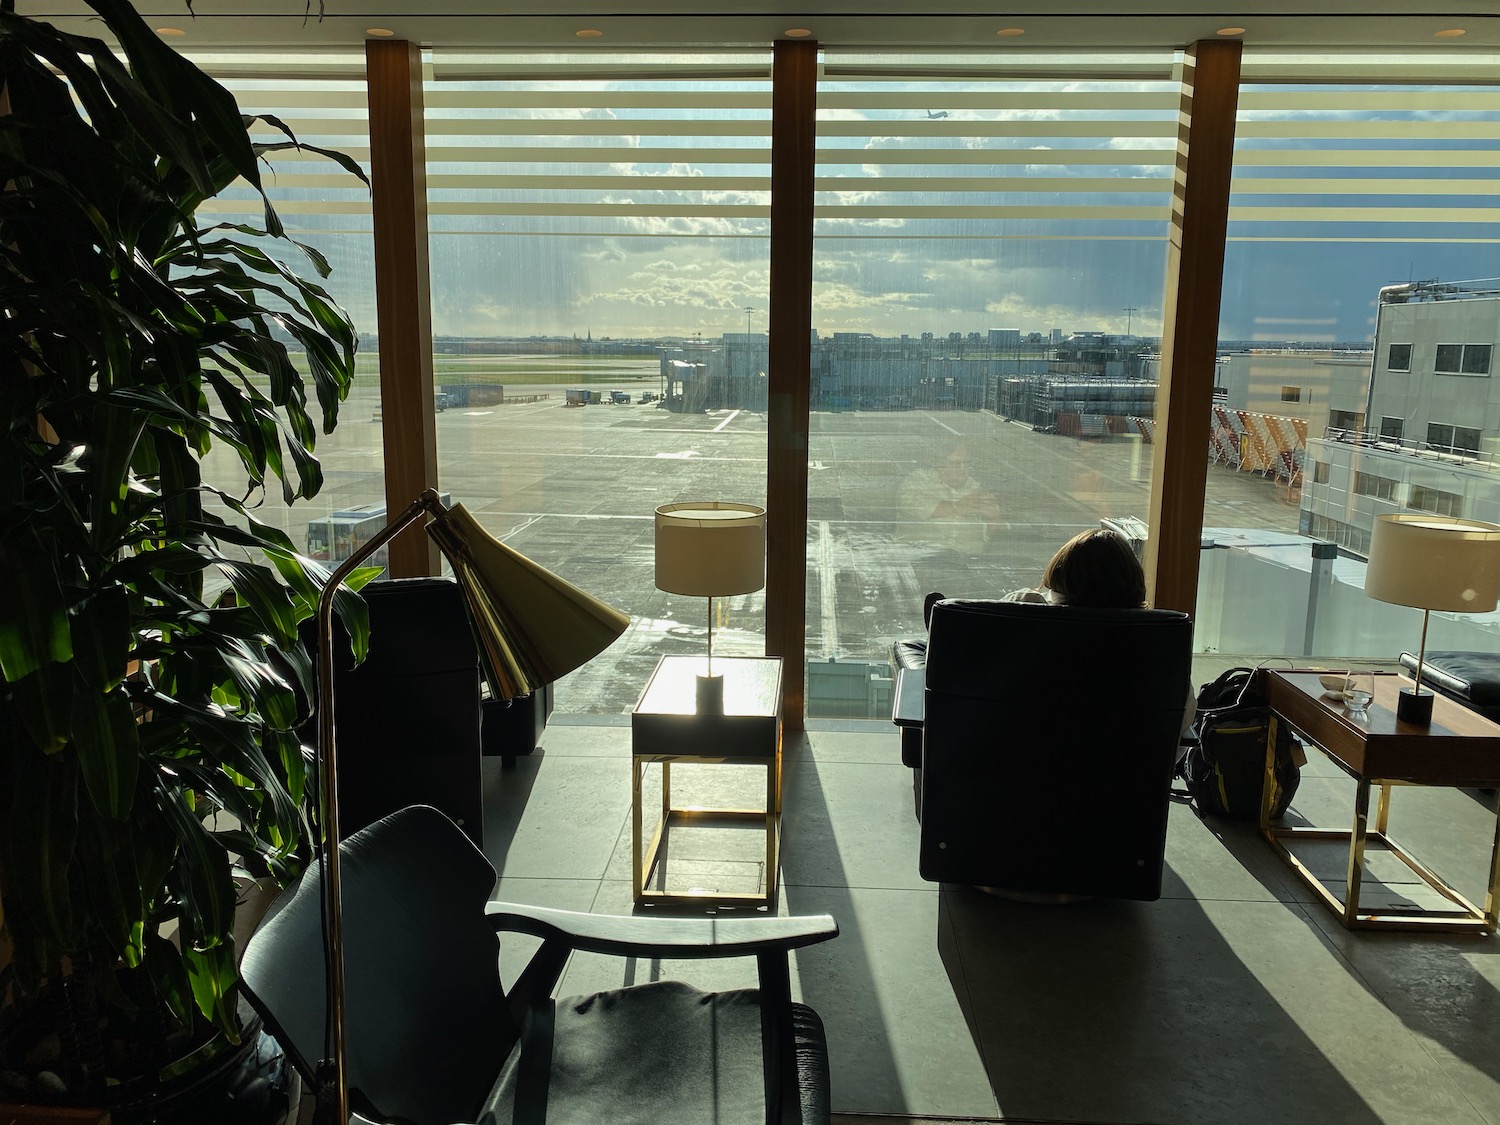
554 817
849 825
1185 1012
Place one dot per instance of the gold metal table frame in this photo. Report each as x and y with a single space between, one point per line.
1460 748
666 730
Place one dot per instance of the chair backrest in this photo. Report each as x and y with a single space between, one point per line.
408 717
427 1025
1049 736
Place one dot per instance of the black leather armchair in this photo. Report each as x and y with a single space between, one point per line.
434 1038
1049 735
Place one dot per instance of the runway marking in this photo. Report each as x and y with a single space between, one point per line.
945 425
683 456
827 590
477 413
732 416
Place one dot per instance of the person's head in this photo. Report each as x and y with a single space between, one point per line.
953 470
1097 568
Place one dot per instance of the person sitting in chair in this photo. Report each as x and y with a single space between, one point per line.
1096 569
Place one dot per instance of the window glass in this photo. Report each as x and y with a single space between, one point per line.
1449 359
989 251
1291 394
1439 435
1347 183
599 248
1476 359
1320 472
322 100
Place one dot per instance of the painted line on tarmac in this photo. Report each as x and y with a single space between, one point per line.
733 415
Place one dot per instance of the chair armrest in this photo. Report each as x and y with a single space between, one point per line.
628 936
909 699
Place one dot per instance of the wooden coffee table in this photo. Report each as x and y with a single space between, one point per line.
1460 748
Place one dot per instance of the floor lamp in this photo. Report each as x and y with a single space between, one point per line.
531 627
1432 562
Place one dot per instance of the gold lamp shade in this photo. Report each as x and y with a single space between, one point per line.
1435 562
532 626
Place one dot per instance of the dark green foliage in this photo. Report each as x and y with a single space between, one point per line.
134 713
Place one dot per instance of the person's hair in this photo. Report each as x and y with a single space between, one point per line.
1099 569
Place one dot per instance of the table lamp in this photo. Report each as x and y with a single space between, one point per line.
1432 562
712 549
531 628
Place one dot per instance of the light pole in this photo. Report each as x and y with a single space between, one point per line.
748 310
1128 310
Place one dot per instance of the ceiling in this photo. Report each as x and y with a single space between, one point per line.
1045 25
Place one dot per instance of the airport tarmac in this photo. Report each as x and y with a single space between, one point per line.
575 488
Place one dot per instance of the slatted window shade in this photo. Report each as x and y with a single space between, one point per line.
998 145
1364 149
621 194
610 144
322 99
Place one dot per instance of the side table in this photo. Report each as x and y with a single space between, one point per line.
1460 748
665 728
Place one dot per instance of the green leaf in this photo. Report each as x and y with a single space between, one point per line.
170 977
105 734
44 701
33 611
101 637
202 870
115 892
42 836
212 975
257 587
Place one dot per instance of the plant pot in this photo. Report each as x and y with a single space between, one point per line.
249 1083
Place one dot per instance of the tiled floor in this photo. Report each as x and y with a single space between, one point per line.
1235 998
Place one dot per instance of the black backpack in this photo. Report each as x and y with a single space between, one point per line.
1225 769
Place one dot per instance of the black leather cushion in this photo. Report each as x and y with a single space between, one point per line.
638 1056
909 652
1049 738
1469 677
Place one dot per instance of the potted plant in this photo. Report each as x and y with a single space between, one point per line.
146 722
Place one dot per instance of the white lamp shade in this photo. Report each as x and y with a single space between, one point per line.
710 548
1435 562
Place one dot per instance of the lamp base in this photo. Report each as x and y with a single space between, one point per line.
1414 707
710 695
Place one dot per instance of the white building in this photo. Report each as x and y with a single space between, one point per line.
1432 419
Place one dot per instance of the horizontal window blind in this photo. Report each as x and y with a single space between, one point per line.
999 145
620 145
322 100
1367 149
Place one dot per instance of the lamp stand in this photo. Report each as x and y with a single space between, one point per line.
710 698
1415 706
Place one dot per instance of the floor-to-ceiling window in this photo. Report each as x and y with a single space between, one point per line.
1364 240
323 102
990 251
599 256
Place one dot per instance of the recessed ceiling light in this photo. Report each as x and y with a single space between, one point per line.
1010 32
1450 33
798 32
588 33
170 31
1231 31
382 32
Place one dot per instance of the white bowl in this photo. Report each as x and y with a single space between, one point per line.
1333 681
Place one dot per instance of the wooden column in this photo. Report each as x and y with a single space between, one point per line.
398 178
793 144
1190 332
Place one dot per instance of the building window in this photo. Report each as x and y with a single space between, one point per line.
1368 484
1392 428
1463 359
1452 439
1291 394
1435 500
1320 472
1398 358
1345 420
